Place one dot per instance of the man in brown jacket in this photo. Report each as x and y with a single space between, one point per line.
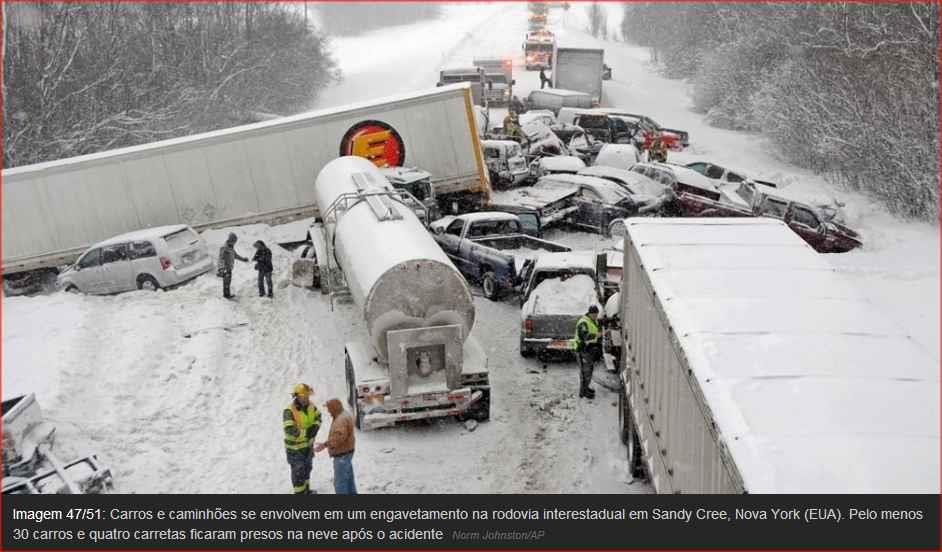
340 443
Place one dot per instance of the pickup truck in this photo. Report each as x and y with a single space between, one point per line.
558 289
482 247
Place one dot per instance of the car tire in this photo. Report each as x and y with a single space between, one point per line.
147 282
72 288
525 352
490 287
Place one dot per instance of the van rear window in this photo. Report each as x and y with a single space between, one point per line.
181 239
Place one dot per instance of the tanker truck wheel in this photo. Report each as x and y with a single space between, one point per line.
481 411
490 287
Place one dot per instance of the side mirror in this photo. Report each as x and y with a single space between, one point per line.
438 230
513 82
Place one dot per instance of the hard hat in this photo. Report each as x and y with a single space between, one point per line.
302 390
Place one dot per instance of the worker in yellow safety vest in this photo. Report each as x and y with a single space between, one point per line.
587 345
301 421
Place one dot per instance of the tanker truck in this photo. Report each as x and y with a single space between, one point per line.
418 359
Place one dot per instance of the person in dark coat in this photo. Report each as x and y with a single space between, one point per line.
227 259
544 80
264 267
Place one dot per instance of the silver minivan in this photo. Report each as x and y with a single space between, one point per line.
146 259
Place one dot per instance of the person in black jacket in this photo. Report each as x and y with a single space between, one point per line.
544 80
264 267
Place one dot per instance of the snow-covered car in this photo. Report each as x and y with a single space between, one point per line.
149 259
544 116
541 140
693 193
618 156
725 175
505 162
648 128
560 164
560 288
584 146
598 202
647 195
820 224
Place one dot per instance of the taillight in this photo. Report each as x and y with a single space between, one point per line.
165 263
528 326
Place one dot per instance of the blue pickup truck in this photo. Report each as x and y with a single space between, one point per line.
490 248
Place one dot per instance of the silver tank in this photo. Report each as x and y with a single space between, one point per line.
395 271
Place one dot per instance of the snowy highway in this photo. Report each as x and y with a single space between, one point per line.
182 391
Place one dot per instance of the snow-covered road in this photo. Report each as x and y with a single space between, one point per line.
175 414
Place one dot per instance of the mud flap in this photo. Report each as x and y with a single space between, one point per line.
303 272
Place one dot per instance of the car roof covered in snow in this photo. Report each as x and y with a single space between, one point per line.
621 156
791 193
811 389
565 260
562 163
145 234
687 176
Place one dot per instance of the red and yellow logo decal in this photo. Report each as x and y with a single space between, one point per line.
376 141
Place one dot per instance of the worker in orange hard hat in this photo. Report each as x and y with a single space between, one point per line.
301 421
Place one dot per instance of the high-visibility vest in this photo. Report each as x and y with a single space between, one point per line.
307 422
593 330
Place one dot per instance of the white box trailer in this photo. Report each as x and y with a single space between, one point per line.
579 69
260 172
750 365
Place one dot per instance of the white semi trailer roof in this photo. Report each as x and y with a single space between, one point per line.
812 388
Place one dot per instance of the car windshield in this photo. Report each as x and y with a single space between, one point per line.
513 150
497 78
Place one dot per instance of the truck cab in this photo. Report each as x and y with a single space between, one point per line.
473 75
506 164
419 184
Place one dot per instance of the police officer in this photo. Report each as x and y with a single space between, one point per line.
588 349
301 421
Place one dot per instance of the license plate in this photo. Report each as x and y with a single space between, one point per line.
558 344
